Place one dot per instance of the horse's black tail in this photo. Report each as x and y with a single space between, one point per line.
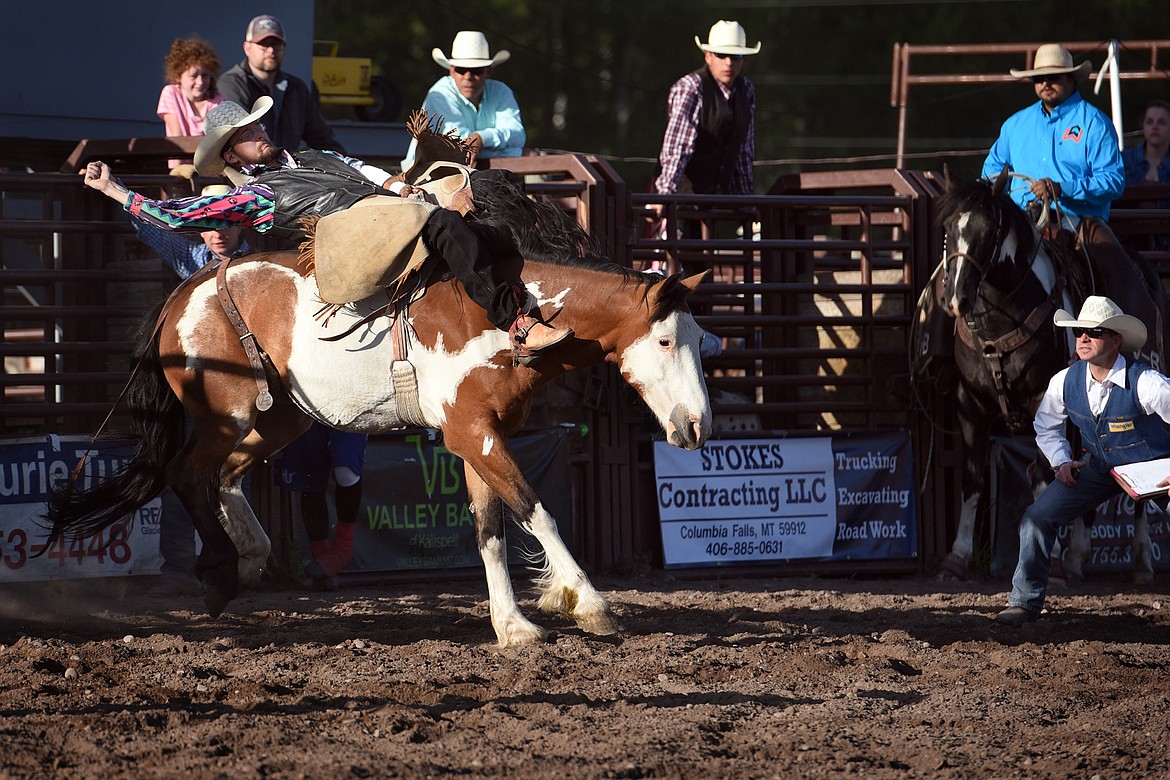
156 433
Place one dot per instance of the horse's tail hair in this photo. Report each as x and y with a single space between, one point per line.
156 433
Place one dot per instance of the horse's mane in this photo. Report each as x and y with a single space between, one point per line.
540 228
985 196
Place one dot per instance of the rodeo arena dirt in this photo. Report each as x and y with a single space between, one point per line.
773 559
735 678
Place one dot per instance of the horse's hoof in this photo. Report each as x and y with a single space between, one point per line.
215 599
952 568
1143 578
518 634
600 624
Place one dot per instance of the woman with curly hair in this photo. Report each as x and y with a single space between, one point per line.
191 65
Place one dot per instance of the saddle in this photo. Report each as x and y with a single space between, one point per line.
375 244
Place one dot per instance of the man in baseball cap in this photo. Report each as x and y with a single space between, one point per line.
295 121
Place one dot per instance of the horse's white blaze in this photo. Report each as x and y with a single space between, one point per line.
488 443
961 249
664 367
347 383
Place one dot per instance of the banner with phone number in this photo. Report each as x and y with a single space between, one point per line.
754 500
28 467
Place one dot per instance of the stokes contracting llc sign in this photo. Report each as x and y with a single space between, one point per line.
752 500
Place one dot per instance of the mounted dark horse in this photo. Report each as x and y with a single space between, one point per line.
436 361
1001 282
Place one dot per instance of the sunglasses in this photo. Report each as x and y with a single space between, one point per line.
472 71
1050 79
1093 333
732 57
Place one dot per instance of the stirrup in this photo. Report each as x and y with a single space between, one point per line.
525 353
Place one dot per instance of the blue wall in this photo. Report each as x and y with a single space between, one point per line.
78 69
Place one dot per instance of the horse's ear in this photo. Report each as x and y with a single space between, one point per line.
691 282
950 180
1001 180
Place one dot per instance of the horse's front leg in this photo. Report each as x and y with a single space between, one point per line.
564 585
512 628
957 563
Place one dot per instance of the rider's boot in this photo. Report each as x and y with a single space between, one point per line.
531 337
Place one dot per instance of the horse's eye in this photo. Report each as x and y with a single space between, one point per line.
664 342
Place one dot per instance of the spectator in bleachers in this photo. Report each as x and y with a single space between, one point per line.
1147 163
191 65
296 121
473 105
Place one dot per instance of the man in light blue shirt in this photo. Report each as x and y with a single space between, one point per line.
1067 145
473 104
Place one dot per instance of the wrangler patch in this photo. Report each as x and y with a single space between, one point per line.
1119 427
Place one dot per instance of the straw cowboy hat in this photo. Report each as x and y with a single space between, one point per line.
727 38
469 50
1101 312
221 122
1052 59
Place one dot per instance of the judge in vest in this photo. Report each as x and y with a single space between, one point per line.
1120 407
710 142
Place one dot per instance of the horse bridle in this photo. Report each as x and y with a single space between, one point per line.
995 351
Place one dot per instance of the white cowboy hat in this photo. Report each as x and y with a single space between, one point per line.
215 190
469 50
727 38
221 122
1101 312
1051 59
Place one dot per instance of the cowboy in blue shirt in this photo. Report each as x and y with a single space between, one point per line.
1067 145
472 104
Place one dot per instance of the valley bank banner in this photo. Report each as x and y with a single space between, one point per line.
757 500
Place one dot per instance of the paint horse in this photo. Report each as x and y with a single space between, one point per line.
1002 283
437 363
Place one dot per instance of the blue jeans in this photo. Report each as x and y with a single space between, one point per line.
1056 507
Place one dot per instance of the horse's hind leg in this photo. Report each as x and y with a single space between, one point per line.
1142 546
1079 546
194 476
274 429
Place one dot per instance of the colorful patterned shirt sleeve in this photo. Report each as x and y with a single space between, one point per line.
682 128
251 205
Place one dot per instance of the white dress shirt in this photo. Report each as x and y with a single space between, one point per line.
1153 392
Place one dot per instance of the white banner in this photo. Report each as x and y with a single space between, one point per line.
27 469
745 500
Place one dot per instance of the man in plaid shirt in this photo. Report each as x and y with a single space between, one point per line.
710 135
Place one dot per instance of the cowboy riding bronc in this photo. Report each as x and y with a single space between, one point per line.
277 189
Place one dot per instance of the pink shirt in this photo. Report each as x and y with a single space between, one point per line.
172 101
